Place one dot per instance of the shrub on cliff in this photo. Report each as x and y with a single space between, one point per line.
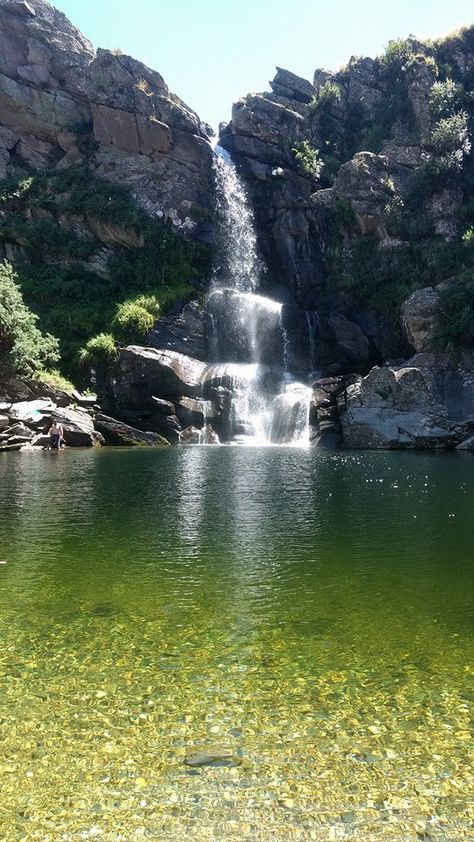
99 350
134 318
22 346
308 159
456 322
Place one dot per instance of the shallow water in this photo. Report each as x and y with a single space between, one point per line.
312 613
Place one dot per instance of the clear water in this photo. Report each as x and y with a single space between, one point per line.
310 612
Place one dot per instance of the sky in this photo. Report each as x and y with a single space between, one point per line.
211 52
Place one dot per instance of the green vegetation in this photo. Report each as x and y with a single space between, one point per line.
55 379
22 346
55 217
100 349
134 319
307 158
384 277
450 141
456 323
329 92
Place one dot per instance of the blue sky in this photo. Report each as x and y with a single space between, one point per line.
210 52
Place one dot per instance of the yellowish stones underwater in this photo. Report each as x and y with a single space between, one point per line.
272 685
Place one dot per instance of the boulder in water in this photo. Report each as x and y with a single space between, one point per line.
120 434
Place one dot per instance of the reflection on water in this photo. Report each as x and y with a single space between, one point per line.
312 612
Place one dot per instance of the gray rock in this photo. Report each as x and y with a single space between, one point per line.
144 373
31 412
78 427
467 444
190 436
182 330
120 434
4 422
194 412
292 86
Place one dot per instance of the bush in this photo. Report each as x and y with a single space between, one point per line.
308 159
450 140
456 322
101 349
55 379
134 319
446 98
22 346
329 92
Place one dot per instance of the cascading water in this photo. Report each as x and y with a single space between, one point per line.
248 343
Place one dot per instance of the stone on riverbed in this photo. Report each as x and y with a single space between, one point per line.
212 756
4 422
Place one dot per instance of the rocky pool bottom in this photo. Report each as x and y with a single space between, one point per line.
304 619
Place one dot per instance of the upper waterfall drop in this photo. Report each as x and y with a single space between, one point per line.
237 264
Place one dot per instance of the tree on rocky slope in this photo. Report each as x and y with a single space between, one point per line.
23 347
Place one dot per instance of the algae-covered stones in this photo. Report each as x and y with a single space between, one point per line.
212 756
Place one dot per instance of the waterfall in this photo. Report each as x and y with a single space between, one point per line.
248 375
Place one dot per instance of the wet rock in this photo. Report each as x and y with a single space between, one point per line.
120 434
190 436
214 756
163 407
4 422
194 412
208 435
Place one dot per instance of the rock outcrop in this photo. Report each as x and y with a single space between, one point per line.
426 403
63 103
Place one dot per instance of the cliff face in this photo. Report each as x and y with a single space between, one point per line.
362 184
106 187
61 103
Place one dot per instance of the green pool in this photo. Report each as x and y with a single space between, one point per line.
312 614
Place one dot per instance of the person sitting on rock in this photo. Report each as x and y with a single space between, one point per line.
56 434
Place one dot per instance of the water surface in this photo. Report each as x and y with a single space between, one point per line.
311 612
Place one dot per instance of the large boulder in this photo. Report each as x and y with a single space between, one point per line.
290 85
78 427
420 313
144 373
123 435
394 409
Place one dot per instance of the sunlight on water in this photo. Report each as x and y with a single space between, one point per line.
310 614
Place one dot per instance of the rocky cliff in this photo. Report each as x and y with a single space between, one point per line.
362 184
106 176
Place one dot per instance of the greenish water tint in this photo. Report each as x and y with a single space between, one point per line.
312 613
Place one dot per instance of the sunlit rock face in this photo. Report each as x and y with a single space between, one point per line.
64 104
